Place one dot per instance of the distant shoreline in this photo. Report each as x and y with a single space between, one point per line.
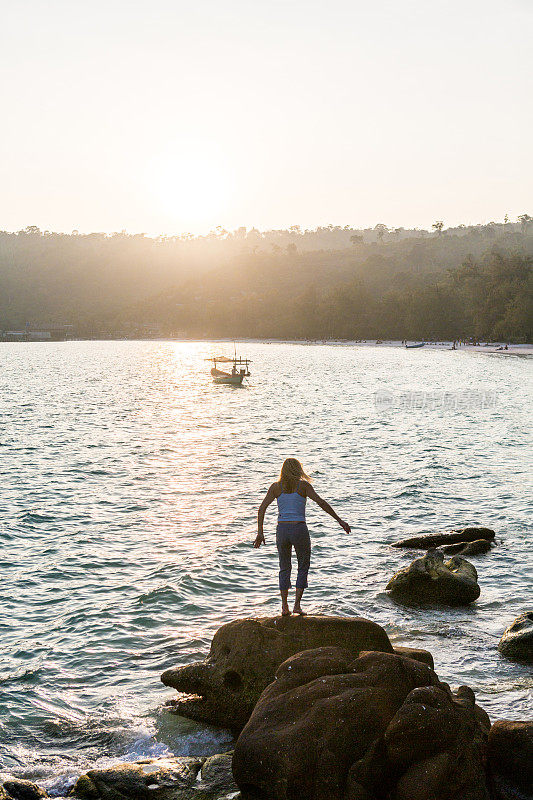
485 347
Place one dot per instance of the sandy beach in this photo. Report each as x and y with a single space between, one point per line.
483 347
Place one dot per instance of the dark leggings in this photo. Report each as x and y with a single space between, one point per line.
289 534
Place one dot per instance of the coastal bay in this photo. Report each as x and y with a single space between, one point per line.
129 491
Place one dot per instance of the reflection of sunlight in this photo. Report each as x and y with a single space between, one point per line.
193 425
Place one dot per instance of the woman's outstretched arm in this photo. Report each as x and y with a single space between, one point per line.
269 498
325 506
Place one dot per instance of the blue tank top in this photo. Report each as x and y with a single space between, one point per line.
291 507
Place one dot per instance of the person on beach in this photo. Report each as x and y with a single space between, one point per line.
291 491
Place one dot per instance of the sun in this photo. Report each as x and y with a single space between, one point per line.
191 187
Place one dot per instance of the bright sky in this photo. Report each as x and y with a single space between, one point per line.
165 116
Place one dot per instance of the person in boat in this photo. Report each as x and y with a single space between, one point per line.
291 492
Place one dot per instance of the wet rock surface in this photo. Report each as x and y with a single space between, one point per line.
161 779
517 639
165 778
475 548
217 776
430 579
245 655
379 727
510 760
17 789
431 540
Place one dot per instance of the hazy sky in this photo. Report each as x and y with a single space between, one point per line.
166 116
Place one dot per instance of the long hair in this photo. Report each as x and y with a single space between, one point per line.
291 472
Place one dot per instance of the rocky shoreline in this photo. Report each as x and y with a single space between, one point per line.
326 708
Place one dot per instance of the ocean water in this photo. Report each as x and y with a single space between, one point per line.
129 487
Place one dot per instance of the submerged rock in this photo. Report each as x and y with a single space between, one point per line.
16 789
437 539
432 580
161 779
468 548
331 727
517 639
510 760
246 653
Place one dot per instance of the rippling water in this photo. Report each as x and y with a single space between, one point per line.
128 494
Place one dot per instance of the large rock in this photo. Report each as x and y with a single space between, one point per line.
161 779
331 727
517 639
432 580
437 539
510 760
246 653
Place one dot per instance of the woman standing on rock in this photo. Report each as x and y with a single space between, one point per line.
291 492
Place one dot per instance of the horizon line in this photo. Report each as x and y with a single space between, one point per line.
296 229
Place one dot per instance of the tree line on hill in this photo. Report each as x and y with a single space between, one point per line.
332 282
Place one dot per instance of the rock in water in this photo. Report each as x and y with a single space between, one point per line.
245 655
437 539
331 727
161 779
16 789
432 580
510 760
517 639
468 548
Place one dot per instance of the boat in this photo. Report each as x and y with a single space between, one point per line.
239 370
413 346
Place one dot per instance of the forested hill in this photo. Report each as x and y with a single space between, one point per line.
328 283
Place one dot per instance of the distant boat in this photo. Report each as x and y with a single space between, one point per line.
413 346
239 370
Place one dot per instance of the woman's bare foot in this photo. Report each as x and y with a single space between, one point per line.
285 611
297 599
